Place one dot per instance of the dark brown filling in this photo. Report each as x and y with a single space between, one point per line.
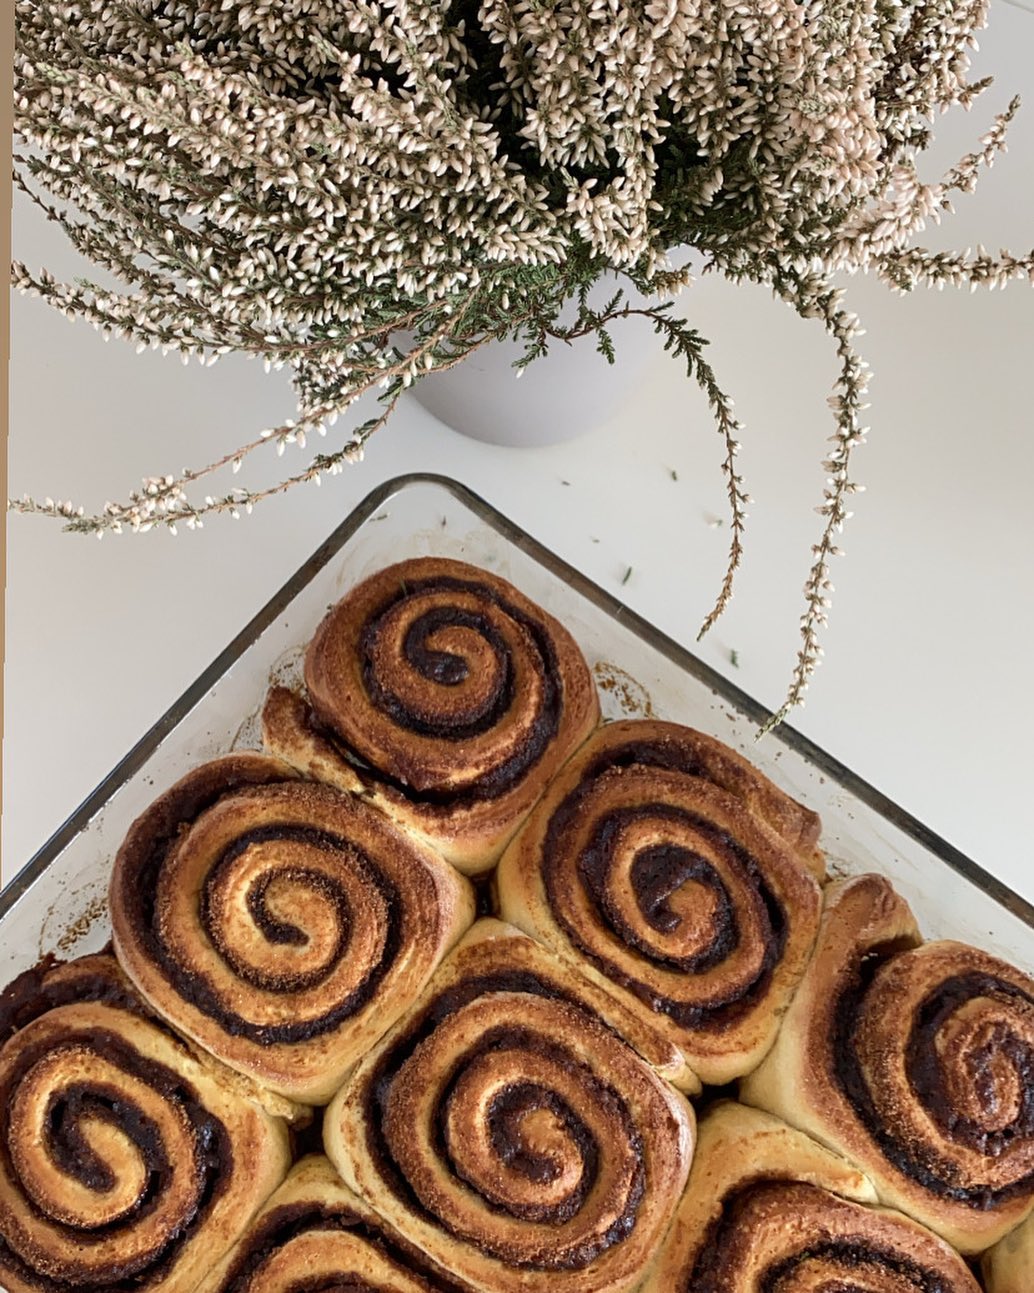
275 931
445 669
38 990
292 1220
212 1156
69 1149
925 1066
656 874
378 1092
343 1283
710 1274
504 1117
920 1162
848 1254
139 879
444 1004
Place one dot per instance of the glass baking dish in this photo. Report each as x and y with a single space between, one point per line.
57 903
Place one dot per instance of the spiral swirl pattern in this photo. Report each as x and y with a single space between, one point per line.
279 923
669 889
124 1161
511 1134
924 1056
769 1209
960 1024
448 694
843 1248
314 1233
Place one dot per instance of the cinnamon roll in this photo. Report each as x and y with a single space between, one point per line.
1008 1267
679 878
314 1233
506 1130
766 1208
445 695
281 924
126 1160
916 1061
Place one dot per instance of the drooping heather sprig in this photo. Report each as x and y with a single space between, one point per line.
368 192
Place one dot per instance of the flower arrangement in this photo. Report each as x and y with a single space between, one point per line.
309 182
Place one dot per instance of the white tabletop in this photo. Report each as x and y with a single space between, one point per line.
926 689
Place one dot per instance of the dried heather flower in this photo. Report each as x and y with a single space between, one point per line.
306 182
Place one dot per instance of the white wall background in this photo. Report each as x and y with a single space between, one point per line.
926 690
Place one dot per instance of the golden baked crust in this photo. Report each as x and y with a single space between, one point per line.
767 1207
1008 1267
501 1109
507 1131
447 695
316 1233
281 924
126 1160
653 861
913 1059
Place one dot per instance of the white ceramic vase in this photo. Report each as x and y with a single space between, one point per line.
570 390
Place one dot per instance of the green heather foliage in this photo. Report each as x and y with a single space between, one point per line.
307 181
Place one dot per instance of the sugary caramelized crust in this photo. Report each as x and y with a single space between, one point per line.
916 1060
506 1100
315 1230
509 1132
447 695
766 1207
127 1161
655 861
281 924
